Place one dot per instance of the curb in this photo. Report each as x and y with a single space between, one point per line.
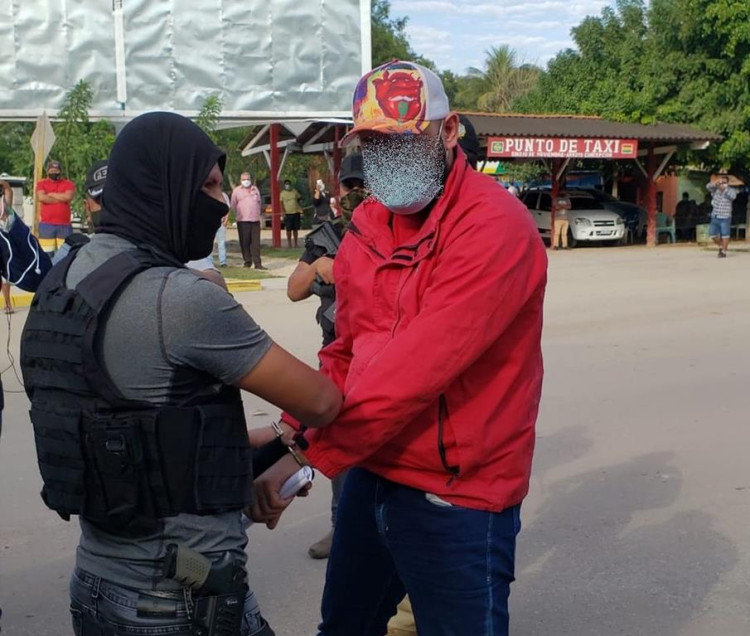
236 285
20 299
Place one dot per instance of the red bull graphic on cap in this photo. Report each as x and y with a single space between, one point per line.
399 94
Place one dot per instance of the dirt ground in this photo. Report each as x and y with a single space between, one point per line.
638 515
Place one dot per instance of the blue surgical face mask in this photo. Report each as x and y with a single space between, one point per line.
404 172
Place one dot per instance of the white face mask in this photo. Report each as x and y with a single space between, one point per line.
246 183
404 172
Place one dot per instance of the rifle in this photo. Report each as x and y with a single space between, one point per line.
324 237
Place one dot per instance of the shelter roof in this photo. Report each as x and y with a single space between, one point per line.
306 135
575 126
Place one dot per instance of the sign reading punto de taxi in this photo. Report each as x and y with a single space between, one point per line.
555 147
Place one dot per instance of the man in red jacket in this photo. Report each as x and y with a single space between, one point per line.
440 286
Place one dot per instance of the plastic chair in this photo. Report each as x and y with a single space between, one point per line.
665 225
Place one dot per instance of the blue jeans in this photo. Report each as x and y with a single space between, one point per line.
221 240
103 608
455 563
720 227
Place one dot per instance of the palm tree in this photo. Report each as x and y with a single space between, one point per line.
504 80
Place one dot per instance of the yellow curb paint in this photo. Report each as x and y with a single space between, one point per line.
20 299
238 285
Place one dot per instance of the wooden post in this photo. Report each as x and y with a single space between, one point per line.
651 197
275 189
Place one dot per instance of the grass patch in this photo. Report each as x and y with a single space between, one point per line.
292 254
245 273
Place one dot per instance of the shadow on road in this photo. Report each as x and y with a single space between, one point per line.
602 557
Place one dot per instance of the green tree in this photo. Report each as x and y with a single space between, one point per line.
389 39
209 115
16 154
80 142
503 81
680 61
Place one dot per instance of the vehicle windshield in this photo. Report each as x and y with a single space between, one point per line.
584 203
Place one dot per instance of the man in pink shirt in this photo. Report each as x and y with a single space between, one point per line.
246 203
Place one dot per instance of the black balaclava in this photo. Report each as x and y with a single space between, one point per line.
154 177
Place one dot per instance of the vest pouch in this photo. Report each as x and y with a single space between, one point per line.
119 497
57 435
224 465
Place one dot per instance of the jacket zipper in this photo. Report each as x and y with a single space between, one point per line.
454 471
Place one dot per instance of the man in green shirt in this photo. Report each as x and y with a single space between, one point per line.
292 212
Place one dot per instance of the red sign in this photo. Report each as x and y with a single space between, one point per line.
552 147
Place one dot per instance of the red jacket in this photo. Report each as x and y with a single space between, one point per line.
438 349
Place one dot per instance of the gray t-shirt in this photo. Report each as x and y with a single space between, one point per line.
170 336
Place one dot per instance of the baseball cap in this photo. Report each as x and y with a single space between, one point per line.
96 177
351 167
54 164
397 97
468 140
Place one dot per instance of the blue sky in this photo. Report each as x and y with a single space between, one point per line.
456 33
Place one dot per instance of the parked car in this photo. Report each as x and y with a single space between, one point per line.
589 221
635 217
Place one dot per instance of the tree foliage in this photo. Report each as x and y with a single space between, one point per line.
80 142
681 61
209 115
502 82
389 39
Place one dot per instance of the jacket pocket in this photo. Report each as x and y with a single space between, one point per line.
447 443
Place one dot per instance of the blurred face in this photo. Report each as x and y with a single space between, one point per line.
53 172
212 184
245 180
407 172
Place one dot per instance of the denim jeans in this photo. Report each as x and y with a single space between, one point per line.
221 241
456 563
337 487
720 227
103 608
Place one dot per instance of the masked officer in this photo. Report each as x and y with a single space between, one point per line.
133 366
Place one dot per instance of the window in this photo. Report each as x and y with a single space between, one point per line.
545 202
529 199
584 203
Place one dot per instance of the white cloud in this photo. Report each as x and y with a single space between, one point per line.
456 33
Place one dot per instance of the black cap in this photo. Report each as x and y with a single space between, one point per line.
351 167
468 140
54 164
96 177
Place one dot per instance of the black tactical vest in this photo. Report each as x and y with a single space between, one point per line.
121 464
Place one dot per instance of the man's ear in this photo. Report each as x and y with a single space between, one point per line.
450 131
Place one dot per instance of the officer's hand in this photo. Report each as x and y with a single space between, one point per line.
324 269
268 505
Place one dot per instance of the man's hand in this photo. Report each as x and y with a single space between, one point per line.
268 505
324 269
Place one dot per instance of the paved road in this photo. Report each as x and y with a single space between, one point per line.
637 521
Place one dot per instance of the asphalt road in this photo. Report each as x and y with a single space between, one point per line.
637 521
